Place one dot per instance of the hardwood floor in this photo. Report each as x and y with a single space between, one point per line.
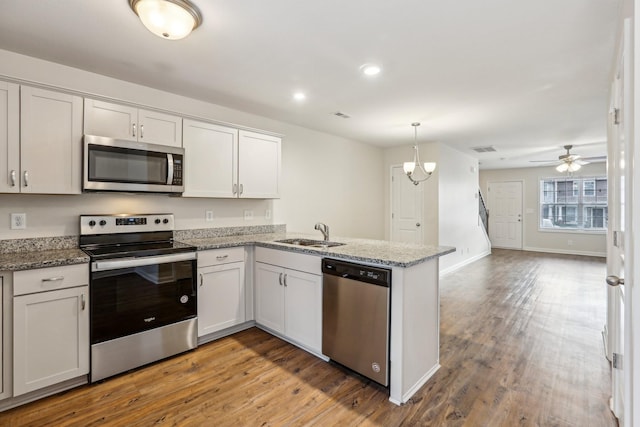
520 346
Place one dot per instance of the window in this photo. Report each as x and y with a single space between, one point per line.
573 203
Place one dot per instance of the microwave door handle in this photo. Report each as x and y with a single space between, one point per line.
170 169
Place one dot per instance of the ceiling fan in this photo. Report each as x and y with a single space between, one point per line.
570 162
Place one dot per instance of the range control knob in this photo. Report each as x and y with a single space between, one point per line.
103 222
165 221
92 223
157 221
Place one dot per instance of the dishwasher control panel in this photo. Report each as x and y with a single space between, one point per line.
348 270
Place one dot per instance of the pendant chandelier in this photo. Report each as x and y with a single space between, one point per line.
425 169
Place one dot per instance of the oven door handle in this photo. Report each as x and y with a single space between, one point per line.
140 261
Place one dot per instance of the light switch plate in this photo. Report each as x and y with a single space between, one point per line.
208 216
267 214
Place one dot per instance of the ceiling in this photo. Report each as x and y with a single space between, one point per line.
523 77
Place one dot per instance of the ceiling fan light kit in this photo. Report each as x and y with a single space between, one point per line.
168 19
426 169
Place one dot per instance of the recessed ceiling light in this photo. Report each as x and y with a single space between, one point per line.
299 96
370 69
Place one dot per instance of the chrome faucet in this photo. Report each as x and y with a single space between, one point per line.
324 229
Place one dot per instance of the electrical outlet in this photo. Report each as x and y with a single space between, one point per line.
18 221
208 216
248 215
267 214
570 242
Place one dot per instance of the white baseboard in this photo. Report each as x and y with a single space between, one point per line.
406 396
467 261
565 252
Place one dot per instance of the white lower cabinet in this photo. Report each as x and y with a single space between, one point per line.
221 290
289 301
50 326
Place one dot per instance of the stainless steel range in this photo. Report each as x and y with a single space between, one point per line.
142 291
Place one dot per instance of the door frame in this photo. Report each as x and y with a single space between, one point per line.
522 192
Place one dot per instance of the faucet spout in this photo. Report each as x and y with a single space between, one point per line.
324 229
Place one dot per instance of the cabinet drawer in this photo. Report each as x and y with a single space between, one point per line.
51 278
220 256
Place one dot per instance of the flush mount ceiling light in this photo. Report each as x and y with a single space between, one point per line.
370 69
169 19
299 96
426 169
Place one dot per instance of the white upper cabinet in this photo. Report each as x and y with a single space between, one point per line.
259 165
50 142
131 124
211 159
224 162
9 137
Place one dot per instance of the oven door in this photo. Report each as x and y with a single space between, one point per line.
131 295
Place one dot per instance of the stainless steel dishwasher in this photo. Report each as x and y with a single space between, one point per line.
355 317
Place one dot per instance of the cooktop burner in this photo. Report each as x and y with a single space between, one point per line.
118 236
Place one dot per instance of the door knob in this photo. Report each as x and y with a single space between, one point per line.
614 281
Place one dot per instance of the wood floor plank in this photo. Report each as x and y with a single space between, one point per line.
520 345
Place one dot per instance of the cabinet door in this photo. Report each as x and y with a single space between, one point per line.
269 296
110 120
159 128
9 137
50 338
211 159
221 297
50 142
303 308
258 165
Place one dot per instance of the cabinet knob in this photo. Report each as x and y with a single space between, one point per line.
418 224
26 178
614 281
134 130
141 131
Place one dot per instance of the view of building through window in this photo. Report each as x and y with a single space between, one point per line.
573 203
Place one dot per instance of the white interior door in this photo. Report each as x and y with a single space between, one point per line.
615 238
505 214
407 201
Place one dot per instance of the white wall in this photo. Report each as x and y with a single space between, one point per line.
460 224
533 239
325 178
450 203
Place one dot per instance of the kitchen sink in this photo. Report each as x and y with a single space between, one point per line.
310 243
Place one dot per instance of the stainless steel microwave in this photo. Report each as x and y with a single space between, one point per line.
129 166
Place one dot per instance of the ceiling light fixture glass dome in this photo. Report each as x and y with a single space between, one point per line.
169 19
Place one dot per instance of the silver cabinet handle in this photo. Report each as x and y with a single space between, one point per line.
614 281
280 279
235 188
285 279
241 188
83 303
141 131
26 178
201 280
221 257
13 178
54 279
134 130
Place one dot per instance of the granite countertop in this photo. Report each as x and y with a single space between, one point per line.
53 252
371 251
15 261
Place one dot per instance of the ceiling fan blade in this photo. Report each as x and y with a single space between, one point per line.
581 162
595 158
543 161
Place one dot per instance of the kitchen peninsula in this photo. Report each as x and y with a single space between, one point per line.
414 312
